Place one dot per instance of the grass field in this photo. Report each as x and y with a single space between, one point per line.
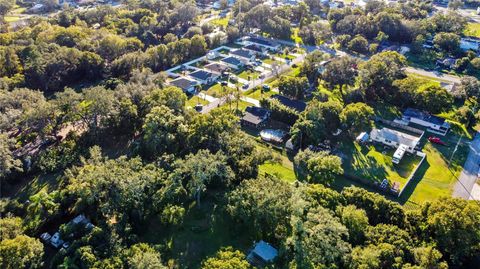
194 100
472 29
375 163
221 21
11 18
257 94
217 91
247 74
436 177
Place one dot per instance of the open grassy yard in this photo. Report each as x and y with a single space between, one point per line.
436 177
221 21
257 94
472 29
11 18
248 74
194 100
375 163
217 89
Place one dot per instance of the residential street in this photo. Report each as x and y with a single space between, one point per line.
434 75
469 175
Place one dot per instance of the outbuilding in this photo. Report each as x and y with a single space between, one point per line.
262 254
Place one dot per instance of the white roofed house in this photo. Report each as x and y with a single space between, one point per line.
401 141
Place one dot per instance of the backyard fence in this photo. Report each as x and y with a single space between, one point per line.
423 156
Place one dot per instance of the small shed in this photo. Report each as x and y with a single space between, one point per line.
362 138
262 254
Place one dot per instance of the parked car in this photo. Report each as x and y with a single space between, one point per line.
436 140
45 237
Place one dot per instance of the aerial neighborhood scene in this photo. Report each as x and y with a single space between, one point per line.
240 134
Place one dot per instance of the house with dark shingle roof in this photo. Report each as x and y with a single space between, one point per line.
217 68
297 105
204 77
271 45
243 55
259 50
255 117
434 124
185 84
233 62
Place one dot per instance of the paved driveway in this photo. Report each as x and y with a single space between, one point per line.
469 175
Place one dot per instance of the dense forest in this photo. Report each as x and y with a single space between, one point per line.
89 125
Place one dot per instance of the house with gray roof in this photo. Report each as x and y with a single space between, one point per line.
233 62
393 138
187 85
243 55
204 77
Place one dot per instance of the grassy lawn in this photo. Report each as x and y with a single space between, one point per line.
12 18
435 177
217 91
194 100
246 74
375 163
223 22
425 60
472 29
270 61
257 94
278 169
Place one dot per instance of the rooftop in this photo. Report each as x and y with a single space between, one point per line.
415 113
294 104
201 75
265 251
183 83
254 48
216 67
232 60
242 53
396 136
261 41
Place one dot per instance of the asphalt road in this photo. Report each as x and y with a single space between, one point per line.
435 75
469 175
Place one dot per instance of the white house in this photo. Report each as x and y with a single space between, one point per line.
395 139
434 124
